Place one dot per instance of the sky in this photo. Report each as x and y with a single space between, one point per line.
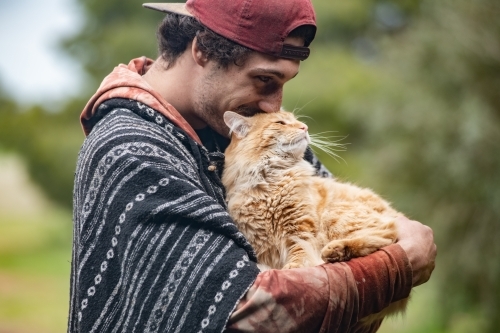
32 69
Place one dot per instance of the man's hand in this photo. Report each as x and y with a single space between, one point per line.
418 242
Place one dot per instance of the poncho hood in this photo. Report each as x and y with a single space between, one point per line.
126 81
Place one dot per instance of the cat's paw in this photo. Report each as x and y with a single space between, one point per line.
335 251
292 265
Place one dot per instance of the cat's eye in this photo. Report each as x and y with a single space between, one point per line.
280 122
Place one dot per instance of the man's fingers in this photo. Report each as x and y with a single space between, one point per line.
418 242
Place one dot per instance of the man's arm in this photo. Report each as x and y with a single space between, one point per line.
333 297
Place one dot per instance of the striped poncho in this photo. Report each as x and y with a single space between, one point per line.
154 248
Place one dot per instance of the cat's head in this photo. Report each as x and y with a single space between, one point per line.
278 133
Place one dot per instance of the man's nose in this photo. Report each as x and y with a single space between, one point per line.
271 103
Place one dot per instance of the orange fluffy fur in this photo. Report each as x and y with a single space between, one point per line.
291 217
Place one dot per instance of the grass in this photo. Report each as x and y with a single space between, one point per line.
34 273
35 254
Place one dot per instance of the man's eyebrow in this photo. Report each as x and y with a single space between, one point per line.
268 71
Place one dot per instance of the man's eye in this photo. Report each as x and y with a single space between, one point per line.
264 79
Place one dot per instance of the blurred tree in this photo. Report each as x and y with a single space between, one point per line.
114 32
434 120
48 142
416 86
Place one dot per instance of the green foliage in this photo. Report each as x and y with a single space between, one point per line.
448 138
48 142
343 21
114 32
423 118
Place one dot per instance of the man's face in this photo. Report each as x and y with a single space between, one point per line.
256 86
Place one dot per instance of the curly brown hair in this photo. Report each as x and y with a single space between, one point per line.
175 32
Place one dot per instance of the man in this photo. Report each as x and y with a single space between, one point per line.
154 248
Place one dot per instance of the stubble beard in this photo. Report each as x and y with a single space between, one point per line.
208 108
212 117
206 104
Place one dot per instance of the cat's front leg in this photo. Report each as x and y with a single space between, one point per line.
346 249
336 251
364 238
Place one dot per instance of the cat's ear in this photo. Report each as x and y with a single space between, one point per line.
237 124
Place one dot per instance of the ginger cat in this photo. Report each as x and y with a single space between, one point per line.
291 217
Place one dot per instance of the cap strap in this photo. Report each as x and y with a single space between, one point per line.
295 52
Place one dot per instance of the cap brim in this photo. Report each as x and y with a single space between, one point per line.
177 8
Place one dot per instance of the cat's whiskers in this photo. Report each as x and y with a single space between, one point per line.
301 116
296 109
329 145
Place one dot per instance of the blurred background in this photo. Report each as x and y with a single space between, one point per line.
413 87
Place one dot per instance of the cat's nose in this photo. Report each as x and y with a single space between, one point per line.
304 127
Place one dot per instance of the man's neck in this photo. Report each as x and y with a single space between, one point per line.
174 86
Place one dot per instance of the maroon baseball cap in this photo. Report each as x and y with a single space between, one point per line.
261 25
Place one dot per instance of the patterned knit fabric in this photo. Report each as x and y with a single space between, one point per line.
154 248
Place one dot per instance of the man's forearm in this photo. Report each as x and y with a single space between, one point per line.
326 298
381 279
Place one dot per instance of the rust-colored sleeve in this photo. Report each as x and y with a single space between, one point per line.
381 279
326 298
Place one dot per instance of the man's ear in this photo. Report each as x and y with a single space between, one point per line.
198 56
237 124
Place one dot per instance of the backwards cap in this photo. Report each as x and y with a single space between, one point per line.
261 25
